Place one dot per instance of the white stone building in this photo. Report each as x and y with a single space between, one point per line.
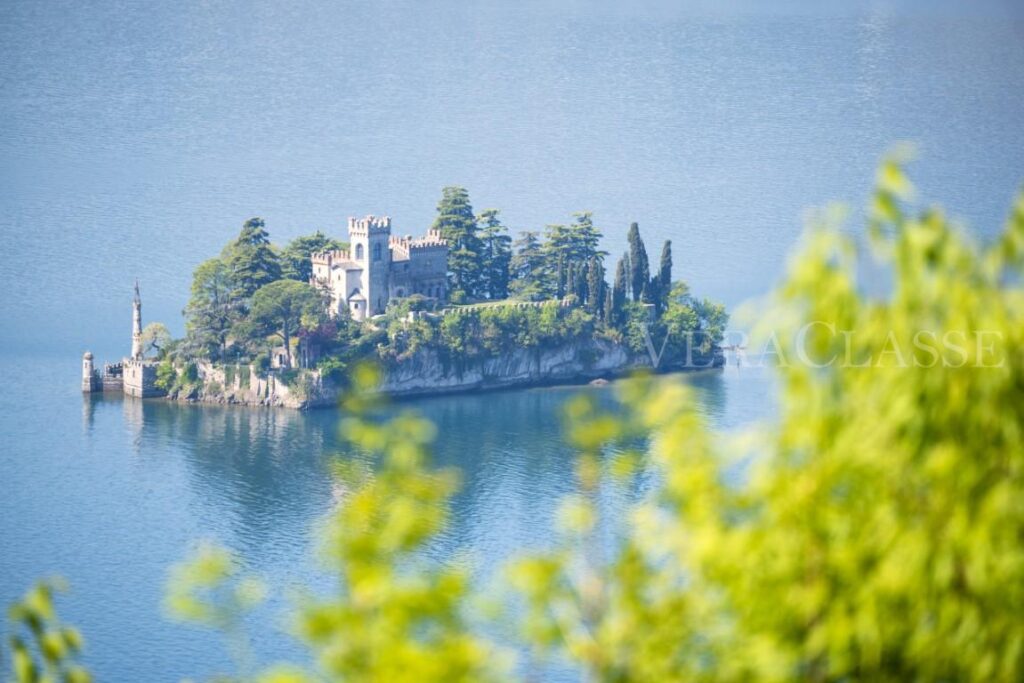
379 267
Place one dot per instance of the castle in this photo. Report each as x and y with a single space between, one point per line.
379 267
134 375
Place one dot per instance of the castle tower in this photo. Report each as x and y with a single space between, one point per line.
369 238
137 325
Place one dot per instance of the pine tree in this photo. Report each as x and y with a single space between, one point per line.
640 273
251 259
295 263
527 268
497 251
457 224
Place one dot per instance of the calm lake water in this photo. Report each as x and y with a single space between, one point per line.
135 138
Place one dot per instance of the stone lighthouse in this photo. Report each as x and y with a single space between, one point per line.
139 373
137 325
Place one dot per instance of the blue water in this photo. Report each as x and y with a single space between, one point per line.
136 137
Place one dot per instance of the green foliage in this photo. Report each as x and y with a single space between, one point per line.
457 224
166 375
574 243
620 293
639 269
155 337
464 335
42 649
210 589
496 255
528 268
284 308
596 290
213 309
661 284
251 260
876 532
295 257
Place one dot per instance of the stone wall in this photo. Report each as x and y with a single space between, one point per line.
139 378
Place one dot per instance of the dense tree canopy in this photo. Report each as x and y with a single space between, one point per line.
252 260
295 261
213 309
285 307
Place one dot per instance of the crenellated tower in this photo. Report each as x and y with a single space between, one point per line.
368 238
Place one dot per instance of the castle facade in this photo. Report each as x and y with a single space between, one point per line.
379 266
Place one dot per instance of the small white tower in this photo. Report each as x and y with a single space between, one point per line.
137 325
88 375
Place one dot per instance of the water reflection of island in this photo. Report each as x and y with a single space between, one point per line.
261 478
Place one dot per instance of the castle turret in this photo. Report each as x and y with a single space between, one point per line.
137 325
89 377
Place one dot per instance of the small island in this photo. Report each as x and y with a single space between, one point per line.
462 308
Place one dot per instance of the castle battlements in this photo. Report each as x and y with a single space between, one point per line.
402 247
329 258
371 225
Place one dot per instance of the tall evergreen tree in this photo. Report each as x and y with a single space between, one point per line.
640 272
581 283
664 279
251 259
560 275
529 280
497 249
619 291
596 287
457 224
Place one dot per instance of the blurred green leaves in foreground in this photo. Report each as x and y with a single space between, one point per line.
876 533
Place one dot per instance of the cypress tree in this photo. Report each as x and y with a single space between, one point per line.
596 287
640 271
561 276
580 285
619 292
664 279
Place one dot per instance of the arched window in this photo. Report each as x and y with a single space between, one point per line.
359 252
376 252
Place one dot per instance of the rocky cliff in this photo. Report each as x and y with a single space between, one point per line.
427 373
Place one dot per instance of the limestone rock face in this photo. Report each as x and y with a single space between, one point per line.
427 373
